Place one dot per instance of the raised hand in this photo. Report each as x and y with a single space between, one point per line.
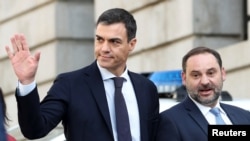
24 64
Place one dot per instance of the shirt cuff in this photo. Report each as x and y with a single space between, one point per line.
25 89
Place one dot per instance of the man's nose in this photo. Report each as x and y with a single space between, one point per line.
204 79
105 46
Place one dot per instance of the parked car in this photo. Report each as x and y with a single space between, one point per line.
166 81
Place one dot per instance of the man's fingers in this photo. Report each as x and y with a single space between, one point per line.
18 41
10 54
13 43
23 42
37 56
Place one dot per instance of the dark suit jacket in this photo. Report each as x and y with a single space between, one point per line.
78 99
190 124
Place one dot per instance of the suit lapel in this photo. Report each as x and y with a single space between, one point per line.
234 117
139 91
96 85
196 114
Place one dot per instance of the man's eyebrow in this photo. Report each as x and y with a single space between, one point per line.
195 71
98 36
212 69
115 39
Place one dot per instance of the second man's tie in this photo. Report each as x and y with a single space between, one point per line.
216 112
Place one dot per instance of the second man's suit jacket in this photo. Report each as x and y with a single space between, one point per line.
78 100
190 124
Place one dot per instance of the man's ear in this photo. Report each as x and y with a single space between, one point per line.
132 44
223 73
183 77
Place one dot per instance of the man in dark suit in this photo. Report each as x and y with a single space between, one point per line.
84 99
203 76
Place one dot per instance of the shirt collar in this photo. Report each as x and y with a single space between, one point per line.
205 109
107 74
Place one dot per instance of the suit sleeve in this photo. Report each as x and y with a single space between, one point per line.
37 119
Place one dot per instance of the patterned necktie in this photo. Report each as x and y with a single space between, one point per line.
216 112
122 120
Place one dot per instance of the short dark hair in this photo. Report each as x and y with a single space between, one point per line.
119 15
200 50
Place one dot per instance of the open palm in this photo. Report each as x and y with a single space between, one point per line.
24 64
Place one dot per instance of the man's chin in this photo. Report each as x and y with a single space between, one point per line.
207 101
104 63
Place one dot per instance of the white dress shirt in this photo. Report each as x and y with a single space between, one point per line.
130 99
209 116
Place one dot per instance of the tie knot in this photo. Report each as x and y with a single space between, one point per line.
215 111
118 81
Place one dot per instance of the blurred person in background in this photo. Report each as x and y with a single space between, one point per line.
4 136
